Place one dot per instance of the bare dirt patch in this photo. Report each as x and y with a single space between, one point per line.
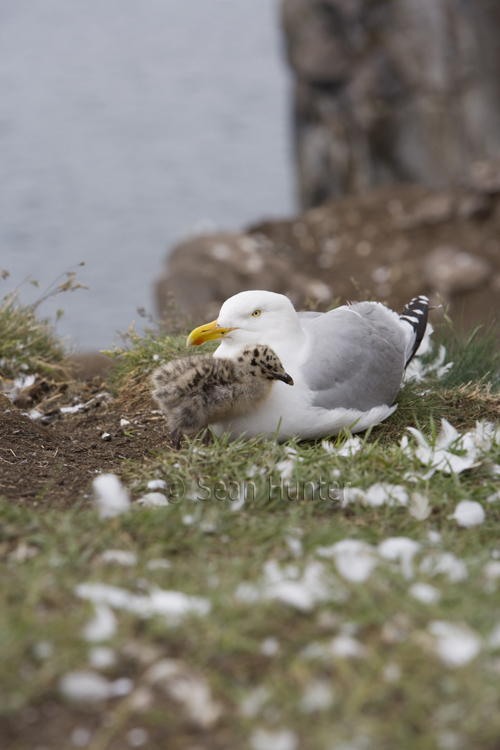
52 463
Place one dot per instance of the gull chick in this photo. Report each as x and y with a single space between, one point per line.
195 391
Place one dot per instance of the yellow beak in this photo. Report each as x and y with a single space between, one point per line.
208 332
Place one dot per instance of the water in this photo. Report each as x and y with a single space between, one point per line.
123 125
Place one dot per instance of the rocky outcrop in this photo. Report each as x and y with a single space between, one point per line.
203 271
392 90
389 244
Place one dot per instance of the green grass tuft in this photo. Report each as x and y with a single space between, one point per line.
476 356
141 354
27 343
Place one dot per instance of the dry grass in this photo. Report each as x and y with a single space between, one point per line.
27 343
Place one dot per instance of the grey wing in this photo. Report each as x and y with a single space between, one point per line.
308 315
356 357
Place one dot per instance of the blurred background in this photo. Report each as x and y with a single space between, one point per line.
185 151
125 125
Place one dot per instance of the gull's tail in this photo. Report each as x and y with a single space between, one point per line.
415 315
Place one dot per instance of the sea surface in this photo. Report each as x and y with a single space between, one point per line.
126 125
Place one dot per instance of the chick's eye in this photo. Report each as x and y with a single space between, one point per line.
256 313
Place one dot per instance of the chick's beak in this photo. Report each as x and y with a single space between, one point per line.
208 332
285 378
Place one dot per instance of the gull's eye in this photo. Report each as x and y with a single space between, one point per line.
256 313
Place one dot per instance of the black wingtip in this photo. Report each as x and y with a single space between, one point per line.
415 313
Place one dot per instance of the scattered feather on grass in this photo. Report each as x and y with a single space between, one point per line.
444 563
355 560
91 687
153 500
119 557
188 688
425 593
402 550
469 513
455 645
274 739
287 586
103 625
111 498
172 605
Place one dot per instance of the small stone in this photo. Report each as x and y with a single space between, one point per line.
220 251
141 700
485 176
318 696
80 737
23 552
106 437
396 629
43 650
270 646
363 249
392 672
449 270
121 687
381 275
474 205
432 210
102 657
281 739
137 737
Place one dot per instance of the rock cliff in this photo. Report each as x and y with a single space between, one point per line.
391 90
390 244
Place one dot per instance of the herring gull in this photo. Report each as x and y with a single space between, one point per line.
347 364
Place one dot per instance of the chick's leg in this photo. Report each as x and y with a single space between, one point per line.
176 439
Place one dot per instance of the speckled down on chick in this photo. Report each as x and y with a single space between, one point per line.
195 391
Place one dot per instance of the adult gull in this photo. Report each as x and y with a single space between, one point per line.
347 364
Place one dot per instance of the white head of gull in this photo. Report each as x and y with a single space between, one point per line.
347 364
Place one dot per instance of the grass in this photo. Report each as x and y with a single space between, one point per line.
476 356
138 358
28 343
397 693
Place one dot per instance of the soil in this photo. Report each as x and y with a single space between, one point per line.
52 460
